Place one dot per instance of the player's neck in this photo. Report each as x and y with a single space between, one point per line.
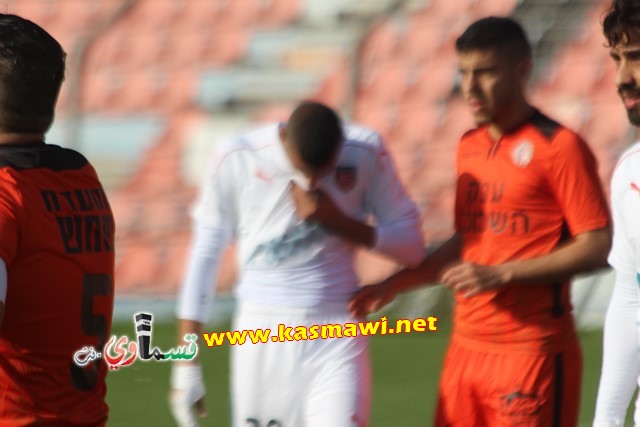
20 138
511 120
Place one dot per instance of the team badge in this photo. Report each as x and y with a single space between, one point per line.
522 154
346 177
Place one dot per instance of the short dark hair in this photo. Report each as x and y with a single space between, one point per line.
496 33
32 67
315 130
622 18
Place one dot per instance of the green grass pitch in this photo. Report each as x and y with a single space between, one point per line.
405 374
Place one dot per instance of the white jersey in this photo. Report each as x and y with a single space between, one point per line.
625 204
282 259
621 358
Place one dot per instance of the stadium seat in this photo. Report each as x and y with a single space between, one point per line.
200 15
416 126
154 15
136 265
382 118
423 40
280 12
433 81
242 14
484 8
387 82
35 10
100 90
180 90
381 44
142 91
226 47
334 89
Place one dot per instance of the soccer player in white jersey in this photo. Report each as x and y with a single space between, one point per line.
621 358
296 197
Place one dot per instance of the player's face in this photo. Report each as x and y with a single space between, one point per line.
627 58
489 83
311 174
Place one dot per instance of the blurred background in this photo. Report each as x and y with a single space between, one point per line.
152 85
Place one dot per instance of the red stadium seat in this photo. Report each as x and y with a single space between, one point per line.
242 14
382 118
99 90
387 82
34 10
157 15
200 15
137 266
494 8
381 44
433 81
423 40
280 12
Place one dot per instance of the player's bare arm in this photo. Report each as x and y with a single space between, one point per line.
316 205
373 297
586 252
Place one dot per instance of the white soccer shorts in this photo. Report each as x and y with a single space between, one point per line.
312 383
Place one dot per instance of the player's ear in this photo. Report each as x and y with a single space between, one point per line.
282 132
524 67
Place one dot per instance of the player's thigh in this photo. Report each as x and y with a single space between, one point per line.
457 404
340 392
267 383
535 390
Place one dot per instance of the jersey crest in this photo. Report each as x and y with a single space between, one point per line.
522 154
346 178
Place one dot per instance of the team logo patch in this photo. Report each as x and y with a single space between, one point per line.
346 177
522 154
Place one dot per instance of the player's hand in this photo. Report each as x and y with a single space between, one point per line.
187 394
315 205
371 298
471 279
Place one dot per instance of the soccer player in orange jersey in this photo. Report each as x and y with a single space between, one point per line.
530 213
56 247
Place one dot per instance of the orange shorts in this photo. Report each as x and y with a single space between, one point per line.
491 389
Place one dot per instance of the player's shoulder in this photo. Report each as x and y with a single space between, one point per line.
546 128
471 134
251 140
554 137
357 136
33 156
629 160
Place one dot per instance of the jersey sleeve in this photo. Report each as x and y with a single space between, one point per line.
620 359
573 177
11 212
625 207
213 228
215 205
398 228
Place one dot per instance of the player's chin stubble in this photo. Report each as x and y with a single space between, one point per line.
634 115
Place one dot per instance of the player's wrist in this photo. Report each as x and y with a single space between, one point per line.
183 374
505 273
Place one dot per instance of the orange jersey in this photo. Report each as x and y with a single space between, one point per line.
519 198
57 242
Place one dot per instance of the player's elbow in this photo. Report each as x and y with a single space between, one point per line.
599 243
414 255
